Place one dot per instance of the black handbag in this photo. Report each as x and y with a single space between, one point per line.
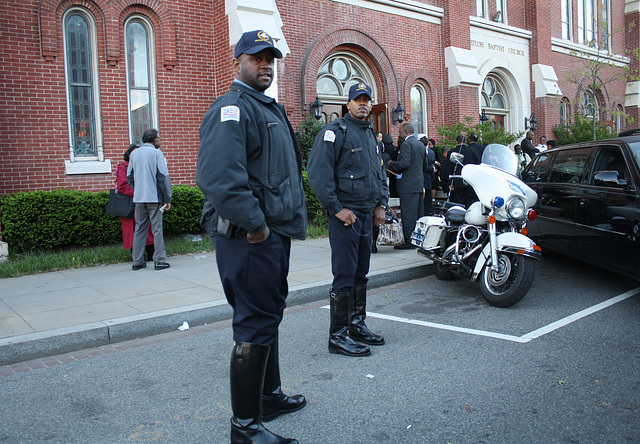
120 205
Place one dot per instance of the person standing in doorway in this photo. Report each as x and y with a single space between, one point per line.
250 170
346 172
527 145
148 175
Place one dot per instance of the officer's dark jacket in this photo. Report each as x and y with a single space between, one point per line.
249 165
345 167
412 164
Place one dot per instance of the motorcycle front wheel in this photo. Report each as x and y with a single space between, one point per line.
508 285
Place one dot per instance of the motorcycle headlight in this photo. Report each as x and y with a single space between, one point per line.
516 208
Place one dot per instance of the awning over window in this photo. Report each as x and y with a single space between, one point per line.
250 15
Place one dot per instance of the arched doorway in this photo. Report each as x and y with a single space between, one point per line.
338 72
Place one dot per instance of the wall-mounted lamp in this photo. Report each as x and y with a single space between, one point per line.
484 117
316 109
398 114
531 122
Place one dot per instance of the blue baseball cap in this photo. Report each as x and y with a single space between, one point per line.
252 42
358 89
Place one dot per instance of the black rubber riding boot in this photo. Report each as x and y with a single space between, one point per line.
339 340
358 330
274 402
248 365
150 249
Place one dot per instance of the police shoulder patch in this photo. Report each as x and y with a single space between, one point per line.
329 136
229 113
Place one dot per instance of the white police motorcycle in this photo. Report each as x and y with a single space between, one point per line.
488 241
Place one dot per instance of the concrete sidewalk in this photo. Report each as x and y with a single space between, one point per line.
52 313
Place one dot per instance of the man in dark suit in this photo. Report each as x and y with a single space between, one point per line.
409 168
473 143
462 192
527 145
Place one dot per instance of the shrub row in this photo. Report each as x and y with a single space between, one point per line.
45 220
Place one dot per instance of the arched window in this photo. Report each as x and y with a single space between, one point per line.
81 73
337 74
493 93
619 115
140 77
494 100
419 109
564 112
588 104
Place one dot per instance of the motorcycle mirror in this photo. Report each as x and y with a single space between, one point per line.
456 158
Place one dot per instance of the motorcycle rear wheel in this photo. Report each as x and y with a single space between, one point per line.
510 284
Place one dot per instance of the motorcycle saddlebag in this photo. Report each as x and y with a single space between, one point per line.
427 232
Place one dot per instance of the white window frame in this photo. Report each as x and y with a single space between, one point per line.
501 7
605 34
89 164
587 20
423 109
151 66
482 9
566 7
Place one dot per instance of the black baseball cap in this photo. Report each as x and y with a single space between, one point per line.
358 89
252 42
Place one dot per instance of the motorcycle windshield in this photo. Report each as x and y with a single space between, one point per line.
501 157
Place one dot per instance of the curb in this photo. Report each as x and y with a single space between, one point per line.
69 339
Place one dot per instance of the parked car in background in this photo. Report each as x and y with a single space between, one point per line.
589 202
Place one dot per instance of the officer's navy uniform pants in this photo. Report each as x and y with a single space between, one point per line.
350 251
254 278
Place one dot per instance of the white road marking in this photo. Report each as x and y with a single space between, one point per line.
520 339
581 314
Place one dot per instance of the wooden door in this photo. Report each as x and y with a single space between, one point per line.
497 120
379 117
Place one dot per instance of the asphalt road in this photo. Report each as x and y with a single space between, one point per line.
555 368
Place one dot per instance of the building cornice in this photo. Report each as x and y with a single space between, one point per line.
587 52
500 27
403 8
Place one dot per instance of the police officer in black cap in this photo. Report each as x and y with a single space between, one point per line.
250 171
346 172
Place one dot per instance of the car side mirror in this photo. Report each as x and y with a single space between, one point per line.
609 179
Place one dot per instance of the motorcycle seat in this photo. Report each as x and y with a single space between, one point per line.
455 215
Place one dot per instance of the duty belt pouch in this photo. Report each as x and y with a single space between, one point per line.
226 229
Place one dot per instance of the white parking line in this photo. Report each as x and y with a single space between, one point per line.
520 339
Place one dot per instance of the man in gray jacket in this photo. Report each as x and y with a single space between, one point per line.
411 164
148 175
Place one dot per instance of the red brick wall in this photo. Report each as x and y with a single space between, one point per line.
193 65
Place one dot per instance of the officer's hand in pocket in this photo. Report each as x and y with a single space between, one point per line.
259 237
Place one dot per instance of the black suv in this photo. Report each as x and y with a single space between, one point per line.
589 202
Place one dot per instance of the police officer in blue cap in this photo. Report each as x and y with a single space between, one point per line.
346 172
250 171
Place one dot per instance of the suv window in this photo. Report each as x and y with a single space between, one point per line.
610 158
568 166
538 170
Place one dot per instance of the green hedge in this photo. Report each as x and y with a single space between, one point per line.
45 220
